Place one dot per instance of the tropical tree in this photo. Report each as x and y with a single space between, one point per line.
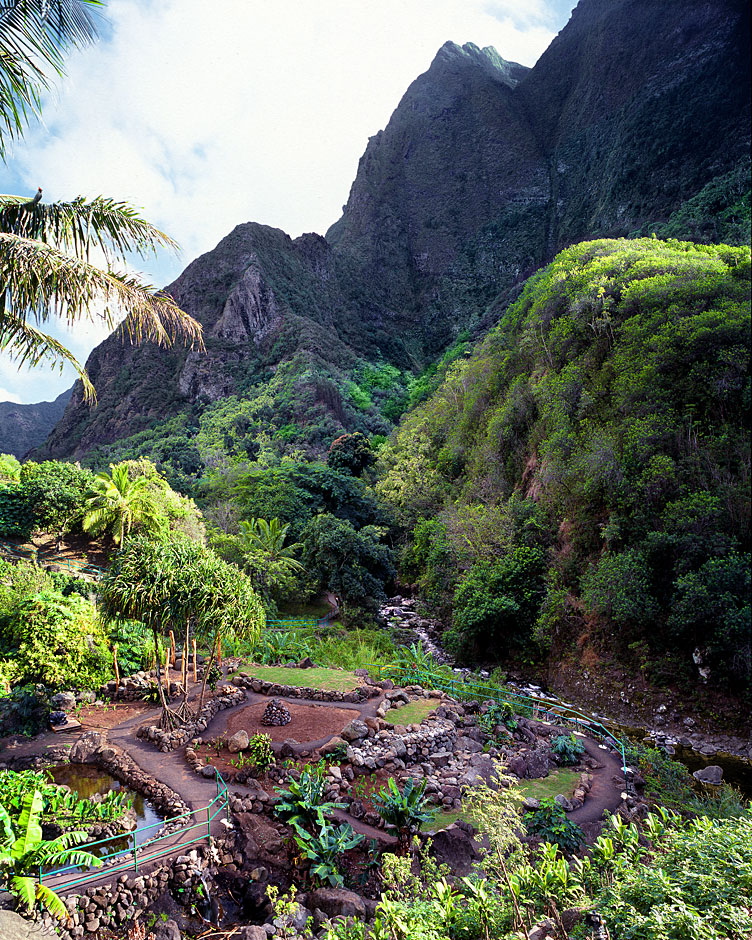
55 492
116 503
175 582
23 850
269 562
45 266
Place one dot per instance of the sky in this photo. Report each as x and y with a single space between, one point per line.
206 115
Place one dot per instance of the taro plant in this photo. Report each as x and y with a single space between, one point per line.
550 822
23 850
303 805
568 749
404 811
324 849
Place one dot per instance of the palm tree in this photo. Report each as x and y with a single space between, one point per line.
115 504
23 851
269 562
45 267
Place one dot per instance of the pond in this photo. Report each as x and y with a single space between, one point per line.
87 781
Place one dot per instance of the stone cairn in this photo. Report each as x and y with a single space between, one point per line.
276 713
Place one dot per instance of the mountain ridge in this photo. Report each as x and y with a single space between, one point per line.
485 170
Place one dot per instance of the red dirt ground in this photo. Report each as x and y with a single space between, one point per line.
101 718
309 722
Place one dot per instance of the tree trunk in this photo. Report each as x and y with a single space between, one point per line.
167 720
207 670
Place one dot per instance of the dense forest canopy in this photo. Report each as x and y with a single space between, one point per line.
584 474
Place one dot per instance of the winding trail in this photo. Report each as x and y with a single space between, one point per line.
172 770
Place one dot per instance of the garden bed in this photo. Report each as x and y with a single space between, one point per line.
320 677
309 722
412 713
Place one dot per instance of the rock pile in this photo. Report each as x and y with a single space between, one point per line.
276 714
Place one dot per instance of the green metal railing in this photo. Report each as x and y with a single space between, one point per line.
75 567
129 859
539 708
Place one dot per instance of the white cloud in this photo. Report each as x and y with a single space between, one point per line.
211 114
5 395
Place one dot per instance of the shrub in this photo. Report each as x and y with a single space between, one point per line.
260 751
550 822
568 749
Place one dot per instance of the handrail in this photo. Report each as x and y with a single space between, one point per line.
133 851
428 679
74 566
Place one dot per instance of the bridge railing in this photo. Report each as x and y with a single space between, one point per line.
539 708
196 824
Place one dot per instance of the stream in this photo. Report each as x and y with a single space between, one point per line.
736 770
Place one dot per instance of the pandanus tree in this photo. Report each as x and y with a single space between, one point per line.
46 269
174 582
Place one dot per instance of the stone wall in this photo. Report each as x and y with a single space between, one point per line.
228 697
261 687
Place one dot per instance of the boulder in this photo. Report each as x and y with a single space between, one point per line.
712 774
253 932
238 741
454 847
86 746
15 927
262 841
338 902
63 701
355 730
168 930
537 764
331 746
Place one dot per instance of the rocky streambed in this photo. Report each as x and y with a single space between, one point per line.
673 733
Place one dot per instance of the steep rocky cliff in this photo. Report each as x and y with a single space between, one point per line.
23 427
484 171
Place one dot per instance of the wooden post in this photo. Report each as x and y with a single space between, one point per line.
167 672
115 664
172 647
195 674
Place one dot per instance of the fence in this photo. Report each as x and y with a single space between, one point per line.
129 859
14 554
539 708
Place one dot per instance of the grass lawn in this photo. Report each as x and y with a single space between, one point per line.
413 713
558 781
333 680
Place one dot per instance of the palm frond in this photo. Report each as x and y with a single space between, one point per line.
29 346
34 35
115 228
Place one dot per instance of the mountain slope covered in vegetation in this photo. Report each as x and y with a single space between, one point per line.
636 117
581 480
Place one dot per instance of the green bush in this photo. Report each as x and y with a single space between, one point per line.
568 749
550 823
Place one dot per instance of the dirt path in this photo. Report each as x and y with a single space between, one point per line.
172 770
605 792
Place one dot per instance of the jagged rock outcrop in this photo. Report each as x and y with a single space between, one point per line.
485 170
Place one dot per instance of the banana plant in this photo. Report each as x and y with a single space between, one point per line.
403 812
303 805
325 848
23 850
